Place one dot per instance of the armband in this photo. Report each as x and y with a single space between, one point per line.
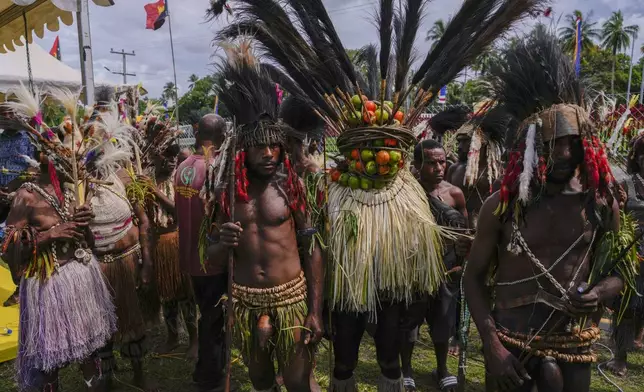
310 232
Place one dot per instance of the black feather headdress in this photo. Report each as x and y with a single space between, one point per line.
538 87
301 119
251 96
300 37
449 119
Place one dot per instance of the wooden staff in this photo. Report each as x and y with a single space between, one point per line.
230 317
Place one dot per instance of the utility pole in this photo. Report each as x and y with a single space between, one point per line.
85 48
124 72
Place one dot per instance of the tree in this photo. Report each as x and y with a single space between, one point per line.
589 33
436 32
597 69
192 80
483 63
169 92
200 100
616 37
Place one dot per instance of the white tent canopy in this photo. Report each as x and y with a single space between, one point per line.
46 70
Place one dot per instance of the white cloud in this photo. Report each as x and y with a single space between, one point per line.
123 27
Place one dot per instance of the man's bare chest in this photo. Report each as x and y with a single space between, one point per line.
267 209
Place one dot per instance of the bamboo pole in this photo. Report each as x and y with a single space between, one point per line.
230 317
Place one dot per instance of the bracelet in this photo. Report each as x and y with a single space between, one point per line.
310 232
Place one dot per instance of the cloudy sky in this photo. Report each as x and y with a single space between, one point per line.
123 27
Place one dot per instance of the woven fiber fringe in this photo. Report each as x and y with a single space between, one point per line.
62 320
348 385
388 385
286 321
382 243
136 310
171 283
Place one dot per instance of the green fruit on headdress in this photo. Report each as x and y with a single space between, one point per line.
366 184
384 114
356 101
354 182
394 156
344 179
367 155
389 104
371 168
379 184
379 143
393 169
355 119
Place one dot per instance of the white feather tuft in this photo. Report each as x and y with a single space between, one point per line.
30 161
529 161
112 142
473 156
67 98
26 105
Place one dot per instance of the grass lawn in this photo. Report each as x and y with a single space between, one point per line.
173 373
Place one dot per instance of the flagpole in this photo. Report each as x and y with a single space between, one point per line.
174 66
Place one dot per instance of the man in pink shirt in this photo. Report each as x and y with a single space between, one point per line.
208 278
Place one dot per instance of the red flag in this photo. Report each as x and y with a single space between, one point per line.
547 12
156 14
55 49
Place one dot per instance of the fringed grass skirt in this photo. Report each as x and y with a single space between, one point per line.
286 307
62 320
171 282
136 309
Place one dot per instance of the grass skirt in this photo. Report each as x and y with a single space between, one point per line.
383 244
136 309
62 320
171 283
286 307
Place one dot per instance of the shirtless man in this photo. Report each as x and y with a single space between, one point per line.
448 206
267 261
66 309
277 296
542 297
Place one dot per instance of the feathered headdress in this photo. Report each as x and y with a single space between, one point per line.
450 119
300 37
537 85
486 129
253 99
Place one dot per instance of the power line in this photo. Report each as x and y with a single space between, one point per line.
124 71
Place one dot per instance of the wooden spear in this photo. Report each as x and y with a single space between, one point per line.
230 316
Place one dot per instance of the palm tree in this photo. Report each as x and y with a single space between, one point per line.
192 80
589 33
616 37
436 32
169 91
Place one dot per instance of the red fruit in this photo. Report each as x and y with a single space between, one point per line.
335 175
370 106
401 163
359 167
355 154
369 117
391 142
399 116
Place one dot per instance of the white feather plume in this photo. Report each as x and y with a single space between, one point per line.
26 105
67 98
30 161
112 142
529 160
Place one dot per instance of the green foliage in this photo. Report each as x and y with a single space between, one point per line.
596 68
589 32
200 100
468 93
